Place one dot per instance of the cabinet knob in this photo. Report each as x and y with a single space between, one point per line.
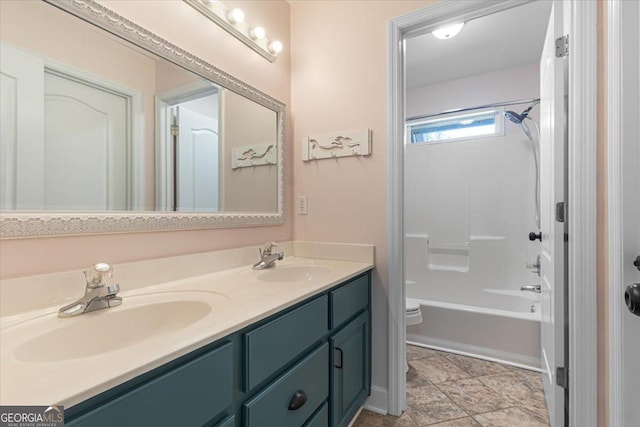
298 400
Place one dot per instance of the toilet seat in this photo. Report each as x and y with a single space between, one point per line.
413 312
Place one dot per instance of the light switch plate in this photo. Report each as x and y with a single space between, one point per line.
303 205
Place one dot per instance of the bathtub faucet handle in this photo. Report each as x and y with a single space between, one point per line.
534 266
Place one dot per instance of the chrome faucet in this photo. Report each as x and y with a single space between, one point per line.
531 288
97 294
267 257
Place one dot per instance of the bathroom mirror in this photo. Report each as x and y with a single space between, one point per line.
108 128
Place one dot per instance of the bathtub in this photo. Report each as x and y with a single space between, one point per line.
471 299
508 332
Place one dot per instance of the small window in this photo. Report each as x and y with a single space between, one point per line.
456 127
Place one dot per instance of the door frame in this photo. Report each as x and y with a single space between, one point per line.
164 191
615 109
580 20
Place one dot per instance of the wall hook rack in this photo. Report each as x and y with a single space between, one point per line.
339 144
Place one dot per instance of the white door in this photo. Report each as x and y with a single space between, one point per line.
197 162
630 227
64 141
21 129
552 191
86 146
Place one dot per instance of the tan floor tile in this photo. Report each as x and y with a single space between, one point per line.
435 412
415 380
514 386
420 398
510 417
476 367
536 407
460 422
473 396
438 370
371 419
415 352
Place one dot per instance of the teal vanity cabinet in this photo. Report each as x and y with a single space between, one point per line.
191 392
350 350
306 366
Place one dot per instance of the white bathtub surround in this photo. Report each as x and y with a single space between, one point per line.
225 274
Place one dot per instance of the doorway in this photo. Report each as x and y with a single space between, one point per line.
188 149
581 192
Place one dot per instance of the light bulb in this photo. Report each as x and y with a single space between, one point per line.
448 31
275 47
258 33
236 16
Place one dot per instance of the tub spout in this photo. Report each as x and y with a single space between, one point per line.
531 288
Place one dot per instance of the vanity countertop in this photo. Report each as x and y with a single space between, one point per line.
239 297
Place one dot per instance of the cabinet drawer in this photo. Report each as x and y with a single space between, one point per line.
190 395
273 345
271 406
320 418
349 300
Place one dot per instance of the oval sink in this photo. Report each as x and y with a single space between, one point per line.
293 273
115 328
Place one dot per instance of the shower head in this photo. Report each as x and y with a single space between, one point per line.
514 117
519 119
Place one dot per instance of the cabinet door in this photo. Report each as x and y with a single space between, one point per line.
189 395
350 374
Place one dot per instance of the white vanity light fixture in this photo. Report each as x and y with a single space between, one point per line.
257 33
275 47
233 21
236 16
447 32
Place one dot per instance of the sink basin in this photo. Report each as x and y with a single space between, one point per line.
138 319
293 273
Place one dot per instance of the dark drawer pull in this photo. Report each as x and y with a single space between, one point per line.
298 400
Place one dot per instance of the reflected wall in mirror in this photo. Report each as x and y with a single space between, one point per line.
91 122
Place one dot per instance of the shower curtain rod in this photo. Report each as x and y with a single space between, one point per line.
460 110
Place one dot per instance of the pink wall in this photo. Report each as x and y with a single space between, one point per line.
184 26
339 82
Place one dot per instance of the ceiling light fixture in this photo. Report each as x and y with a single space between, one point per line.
448 31
233 21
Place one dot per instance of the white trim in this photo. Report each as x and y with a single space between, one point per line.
614 195
582 17
395 215
377 401
582 28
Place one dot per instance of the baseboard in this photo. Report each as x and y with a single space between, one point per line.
378 402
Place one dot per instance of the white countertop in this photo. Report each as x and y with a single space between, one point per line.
239 299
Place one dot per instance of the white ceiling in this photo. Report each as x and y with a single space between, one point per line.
505 39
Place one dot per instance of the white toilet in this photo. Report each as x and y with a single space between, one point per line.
413 314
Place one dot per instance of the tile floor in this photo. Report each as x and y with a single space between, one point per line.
448 390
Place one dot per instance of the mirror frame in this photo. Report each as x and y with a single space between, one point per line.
45 224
